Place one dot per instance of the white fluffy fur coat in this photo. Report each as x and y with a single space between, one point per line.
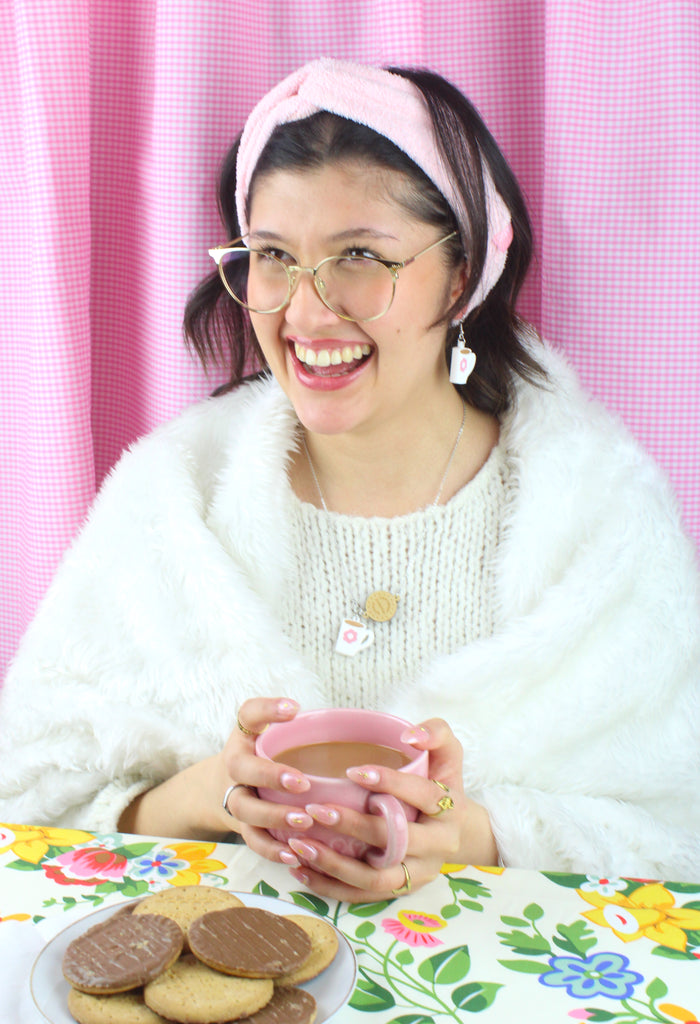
580 717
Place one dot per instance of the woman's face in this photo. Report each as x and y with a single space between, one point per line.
397 365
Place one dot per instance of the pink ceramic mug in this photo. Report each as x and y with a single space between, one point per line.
345 725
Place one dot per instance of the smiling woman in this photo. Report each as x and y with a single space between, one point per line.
401 500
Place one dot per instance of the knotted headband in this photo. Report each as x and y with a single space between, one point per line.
392 106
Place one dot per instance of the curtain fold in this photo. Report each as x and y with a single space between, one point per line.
116 117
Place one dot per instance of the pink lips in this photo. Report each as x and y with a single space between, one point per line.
326 378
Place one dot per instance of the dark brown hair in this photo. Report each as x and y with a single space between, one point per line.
219 330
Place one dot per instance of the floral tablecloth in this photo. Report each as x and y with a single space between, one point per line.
514 946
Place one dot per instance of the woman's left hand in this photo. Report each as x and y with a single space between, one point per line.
458 832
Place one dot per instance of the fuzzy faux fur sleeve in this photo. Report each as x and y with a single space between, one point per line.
579 717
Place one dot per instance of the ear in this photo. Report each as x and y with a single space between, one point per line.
457 285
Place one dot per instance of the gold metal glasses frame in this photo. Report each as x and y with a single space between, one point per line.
294 271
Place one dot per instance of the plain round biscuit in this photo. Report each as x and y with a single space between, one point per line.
324 946
287 1006
185 903
192 993
123 1008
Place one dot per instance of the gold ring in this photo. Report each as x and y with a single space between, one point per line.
445 803
406 887
246 732
227 794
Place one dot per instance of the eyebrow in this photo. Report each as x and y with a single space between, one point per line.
340 236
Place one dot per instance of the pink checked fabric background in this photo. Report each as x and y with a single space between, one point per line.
115 117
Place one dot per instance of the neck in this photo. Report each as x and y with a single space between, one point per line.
404 468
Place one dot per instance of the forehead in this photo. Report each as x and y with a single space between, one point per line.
333 193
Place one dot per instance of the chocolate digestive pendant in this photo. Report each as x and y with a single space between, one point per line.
381 606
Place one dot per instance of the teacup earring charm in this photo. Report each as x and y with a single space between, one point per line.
463 359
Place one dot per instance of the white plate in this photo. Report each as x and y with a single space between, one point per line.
331 989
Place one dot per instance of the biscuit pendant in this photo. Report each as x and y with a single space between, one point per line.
381 606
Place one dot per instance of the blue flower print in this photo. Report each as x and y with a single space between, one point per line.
602 974
163 865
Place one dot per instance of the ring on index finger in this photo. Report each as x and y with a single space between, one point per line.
227 794
246 732
445 803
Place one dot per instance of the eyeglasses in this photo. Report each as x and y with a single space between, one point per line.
354 287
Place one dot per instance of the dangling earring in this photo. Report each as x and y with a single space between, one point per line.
463 359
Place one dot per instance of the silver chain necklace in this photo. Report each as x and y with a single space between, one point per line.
435 501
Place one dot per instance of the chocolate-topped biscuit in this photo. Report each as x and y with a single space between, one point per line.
185 903
121 953
287 1006
249 942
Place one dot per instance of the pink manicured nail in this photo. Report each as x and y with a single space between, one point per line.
324 815
297 819
304 850
361 775
287 707
302 877
288 858
295 783
416 735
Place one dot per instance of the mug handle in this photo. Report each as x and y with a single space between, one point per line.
397 831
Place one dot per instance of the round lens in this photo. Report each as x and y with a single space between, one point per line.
356 287
255 279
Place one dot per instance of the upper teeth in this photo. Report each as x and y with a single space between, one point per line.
330 356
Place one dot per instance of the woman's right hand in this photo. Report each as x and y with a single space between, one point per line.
246 772
189 805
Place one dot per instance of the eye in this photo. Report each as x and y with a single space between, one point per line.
359 252
262 252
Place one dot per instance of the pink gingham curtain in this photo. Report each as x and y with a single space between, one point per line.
115 117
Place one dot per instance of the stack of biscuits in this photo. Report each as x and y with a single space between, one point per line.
197 955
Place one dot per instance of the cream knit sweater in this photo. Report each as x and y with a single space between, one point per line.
341 559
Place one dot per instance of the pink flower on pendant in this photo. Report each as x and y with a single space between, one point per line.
415 928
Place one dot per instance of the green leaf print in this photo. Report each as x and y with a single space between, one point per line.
263 889
575 938
369 996
476 996
446 967
308 901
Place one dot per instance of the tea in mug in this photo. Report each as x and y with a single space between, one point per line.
333 759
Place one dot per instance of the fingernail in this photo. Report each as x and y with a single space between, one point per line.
414 735
305 850
296 819
287 707
302 877
295 783
361 775
288 858
324 815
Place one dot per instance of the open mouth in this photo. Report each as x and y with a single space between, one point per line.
331 362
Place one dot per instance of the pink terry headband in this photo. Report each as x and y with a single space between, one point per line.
393 107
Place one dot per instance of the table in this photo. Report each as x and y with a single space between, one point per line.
514 946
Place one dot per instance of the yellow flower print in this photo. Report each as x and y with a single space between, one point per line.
16 917
31 843
678 1013
649 912
197 856
450 869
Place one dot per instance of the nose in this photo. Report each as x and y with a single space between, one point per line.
305 305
